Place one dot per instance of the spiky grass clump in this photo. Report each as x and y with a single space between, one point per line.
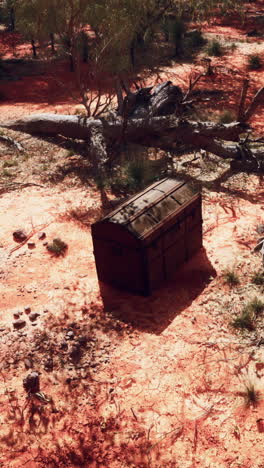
226 117
231 277
254 62
252 396
57 247
258 278
244 321
256 306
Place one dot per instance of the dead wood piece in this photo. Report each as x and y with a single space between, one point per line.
241 107
257 100
12 142
17 186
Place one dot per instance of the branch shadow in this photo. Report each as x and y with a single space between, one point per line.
155 313
217 186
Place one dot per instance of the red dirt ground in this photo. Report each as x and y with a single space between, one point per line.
162 380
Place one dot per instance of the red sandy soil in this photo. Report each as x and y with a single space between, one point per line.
162 380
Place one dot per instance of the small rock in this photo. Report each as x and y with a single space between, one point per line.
41 235
69 335
75 353
82 340
33 316
28 363
72 325
31 383
260 229
19 235
31 245
18 324
27 309
16 315
48 365
45 244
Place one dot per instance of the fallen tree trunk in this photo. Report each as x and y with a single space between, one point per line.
165 132
150 120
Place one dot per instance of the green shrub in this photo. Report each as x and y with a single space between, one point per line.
244 321
226 117
231 277
258 278
215 49
254 62
57 247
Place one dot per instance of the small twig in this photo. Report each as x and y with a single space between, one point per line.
17 185
256 101
149 429
191 85
134 414
31 234
179 432
195 437
243 95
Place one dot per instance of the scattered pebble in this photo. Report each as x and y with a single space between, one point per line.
18 324
28 363
31 245
19 235
27 309
16 315
33 316
69 335
41 235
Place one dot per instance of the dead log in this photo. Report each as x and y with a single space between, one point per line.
165 132
149 119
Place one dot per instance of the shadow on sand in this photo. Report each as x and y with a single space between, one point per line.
155 313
